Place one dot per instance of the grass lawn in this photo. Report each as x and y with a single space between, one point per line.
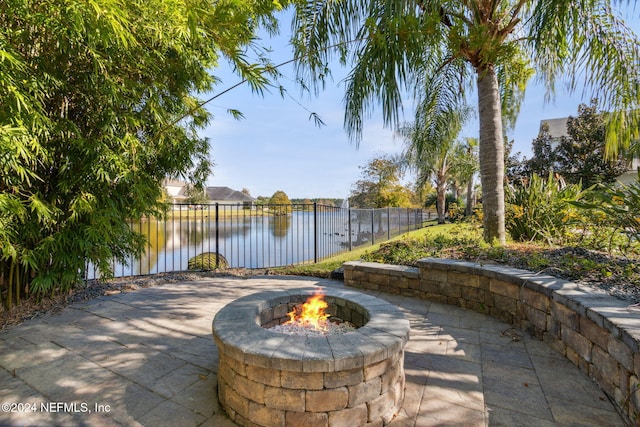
325 267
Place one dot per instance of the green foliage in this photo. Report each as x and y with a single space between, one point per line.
320 201
456 212
537 262
614 213
466 165
478 213
99 105
439 50
208 261
450 202
196 195
543 161
433 151
280 204
581 156
542 210
380 185
409 251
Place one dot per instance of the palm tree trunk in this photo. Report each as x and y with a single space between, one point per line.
441 201
441 196
470 203
491 153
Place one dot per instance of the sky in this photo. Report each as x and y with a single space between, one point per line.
276 146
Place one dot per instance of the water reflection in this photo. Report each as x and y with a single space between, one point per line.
255 240
241 239
280 225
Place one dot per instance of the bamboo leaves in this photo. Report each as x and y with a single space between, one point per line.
98 104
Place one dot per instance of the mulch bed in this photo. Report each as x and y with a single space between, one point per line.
616 275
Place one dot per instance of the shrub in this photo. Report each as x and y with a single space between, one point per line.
207 261
542 210
614 218
478 214
409 251
456 212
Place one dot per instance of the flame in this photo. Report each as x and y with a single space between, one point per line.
310 314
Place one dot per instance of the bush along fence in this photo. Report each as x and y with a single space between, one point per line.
259 236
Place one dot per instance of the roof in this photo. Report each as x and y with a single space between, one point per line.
176 189
167 182
227 194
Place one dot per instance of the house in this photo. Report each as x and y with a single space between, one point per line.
228 196
558 129
176 190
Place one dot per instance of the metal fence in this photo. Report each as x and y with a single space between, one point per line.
261 236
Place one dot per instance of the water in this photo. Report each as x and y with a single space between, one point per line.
259 238
249 241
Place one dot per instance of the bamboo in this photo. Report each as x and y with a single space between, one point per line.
18 285
10 284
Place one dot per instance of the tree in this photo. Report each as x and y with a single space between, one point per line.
438 50
516 168
326 202
431 146
422 192
465 166
280 203
544 160
99 105
581 156
380 185
196 195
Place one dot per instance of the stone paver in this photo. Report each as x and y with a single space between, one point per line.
148 358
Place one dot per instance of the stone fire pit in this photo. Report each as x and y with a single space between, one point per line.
273 379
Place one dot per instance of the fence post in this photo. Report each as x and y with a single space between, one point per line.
388 223
217 237
188 235
372 235
315 232
408 220
349 229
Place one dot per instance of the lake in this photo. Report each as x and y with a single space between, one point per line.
248 240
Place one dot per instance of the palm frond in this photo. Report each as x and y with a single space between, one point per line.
587 42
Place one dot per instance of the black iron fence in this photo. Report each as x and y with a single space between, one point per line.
261 236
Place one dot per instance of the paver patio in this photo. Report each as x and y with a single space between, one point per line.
147 358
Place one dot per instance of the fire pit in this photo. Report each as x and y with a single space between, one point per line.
269 378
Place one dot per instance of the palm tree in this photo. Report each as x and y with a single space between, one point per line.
443 49
465 167
431 151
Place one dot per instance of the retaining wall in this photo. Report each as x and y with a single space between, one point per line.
598 333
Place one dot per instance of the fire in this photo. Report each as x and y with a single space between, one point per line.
311 314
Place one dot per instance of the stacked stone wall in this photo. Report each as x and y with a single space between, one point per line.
364 396
270 379
597 332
